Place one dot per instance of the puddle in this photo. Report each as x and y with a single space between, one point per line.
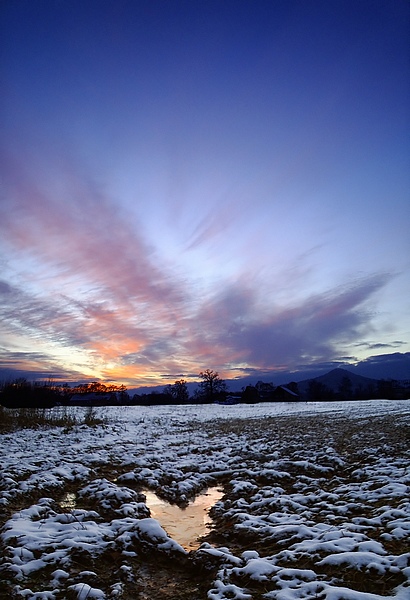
68 501
184 525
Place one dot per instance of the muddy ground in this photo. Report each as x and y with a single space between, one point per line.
148 573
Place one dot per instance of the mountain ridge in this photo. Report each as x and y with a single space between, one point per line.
334 379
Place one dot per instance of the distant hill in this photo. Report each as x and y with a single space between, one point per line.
341 384
333 380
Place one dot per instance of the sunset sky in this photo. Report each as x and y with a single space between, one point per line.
202 184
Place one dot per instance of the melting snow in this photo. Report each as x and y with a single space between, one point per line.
303 507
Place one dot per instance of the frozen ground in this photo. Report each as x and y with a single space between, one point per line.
315 505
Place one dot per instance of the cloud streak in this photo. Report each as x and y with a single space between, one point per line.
107 294
199 192
95 285
226 330
103 292
78 231
308 332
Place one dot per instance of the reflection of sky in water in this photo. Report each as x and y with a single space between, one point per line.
184 525
69 501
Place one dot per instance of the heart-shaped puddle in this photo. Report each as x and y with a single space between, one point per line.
184 525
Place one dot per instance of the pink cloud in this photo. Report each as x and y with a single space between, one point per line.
102 288
75 229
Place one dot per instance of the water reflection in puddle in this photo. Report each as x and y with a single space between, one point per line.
68 502
184 525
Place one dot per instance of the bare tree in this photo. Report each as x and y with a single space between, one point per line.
211 386
178 391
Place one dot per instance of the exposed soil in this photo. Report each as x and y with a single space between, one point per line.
150 574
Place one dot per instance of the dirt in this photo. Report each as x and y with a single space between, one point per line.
154 575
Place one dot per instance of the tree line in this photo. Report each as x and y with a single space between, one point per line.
22 393
211 389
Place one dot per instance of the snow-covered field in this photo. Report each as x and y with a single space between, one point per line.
316 504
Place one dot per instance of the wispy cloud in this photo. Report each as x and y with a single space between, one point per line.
36 317
100 288
311 331
35 366
216 222
380 345
79 232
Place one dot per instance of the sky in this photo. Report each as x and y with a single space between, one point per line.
203 184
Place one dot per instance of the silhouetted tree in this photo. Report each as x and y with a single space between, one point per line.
211 388
178 392
21 393
250 394
346 389
385 388
96 387
318 391
359 393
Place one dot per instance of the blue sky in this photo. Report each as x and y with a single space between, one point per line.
191 185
